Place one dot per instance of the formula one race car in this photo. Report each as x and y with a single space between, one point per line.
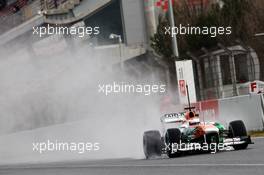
184 132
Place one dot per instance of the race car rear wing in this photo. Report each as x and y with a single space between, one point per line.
173 118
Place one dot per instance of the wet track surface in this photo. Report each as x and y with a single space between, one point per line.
245 162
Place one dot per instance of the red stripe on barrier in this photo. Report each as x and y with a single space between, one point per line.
207 109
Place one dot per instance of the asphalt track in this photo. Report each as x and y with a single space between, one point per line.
245 162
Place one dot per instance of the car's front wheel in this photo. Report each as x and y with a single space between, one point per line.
152 143
238 129
172 140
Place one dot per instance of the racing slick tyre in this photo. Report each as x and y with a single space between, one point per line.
172 137
237 129
152 143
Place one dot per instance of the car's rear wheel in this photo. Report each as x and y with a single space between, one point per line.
238 129
152 144
173 137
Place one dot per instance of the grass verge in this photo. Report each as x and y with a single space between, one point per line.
256 133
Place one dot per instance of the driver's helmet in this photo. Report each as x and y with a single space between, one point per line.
192 118
189 115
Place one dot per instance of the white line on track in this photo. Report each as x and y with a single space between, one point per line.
139 166
170 165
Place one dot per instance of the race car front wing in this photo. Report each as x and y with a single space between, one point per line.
238 141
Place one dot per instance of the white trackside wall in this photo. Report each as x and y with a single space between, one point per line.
249 108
